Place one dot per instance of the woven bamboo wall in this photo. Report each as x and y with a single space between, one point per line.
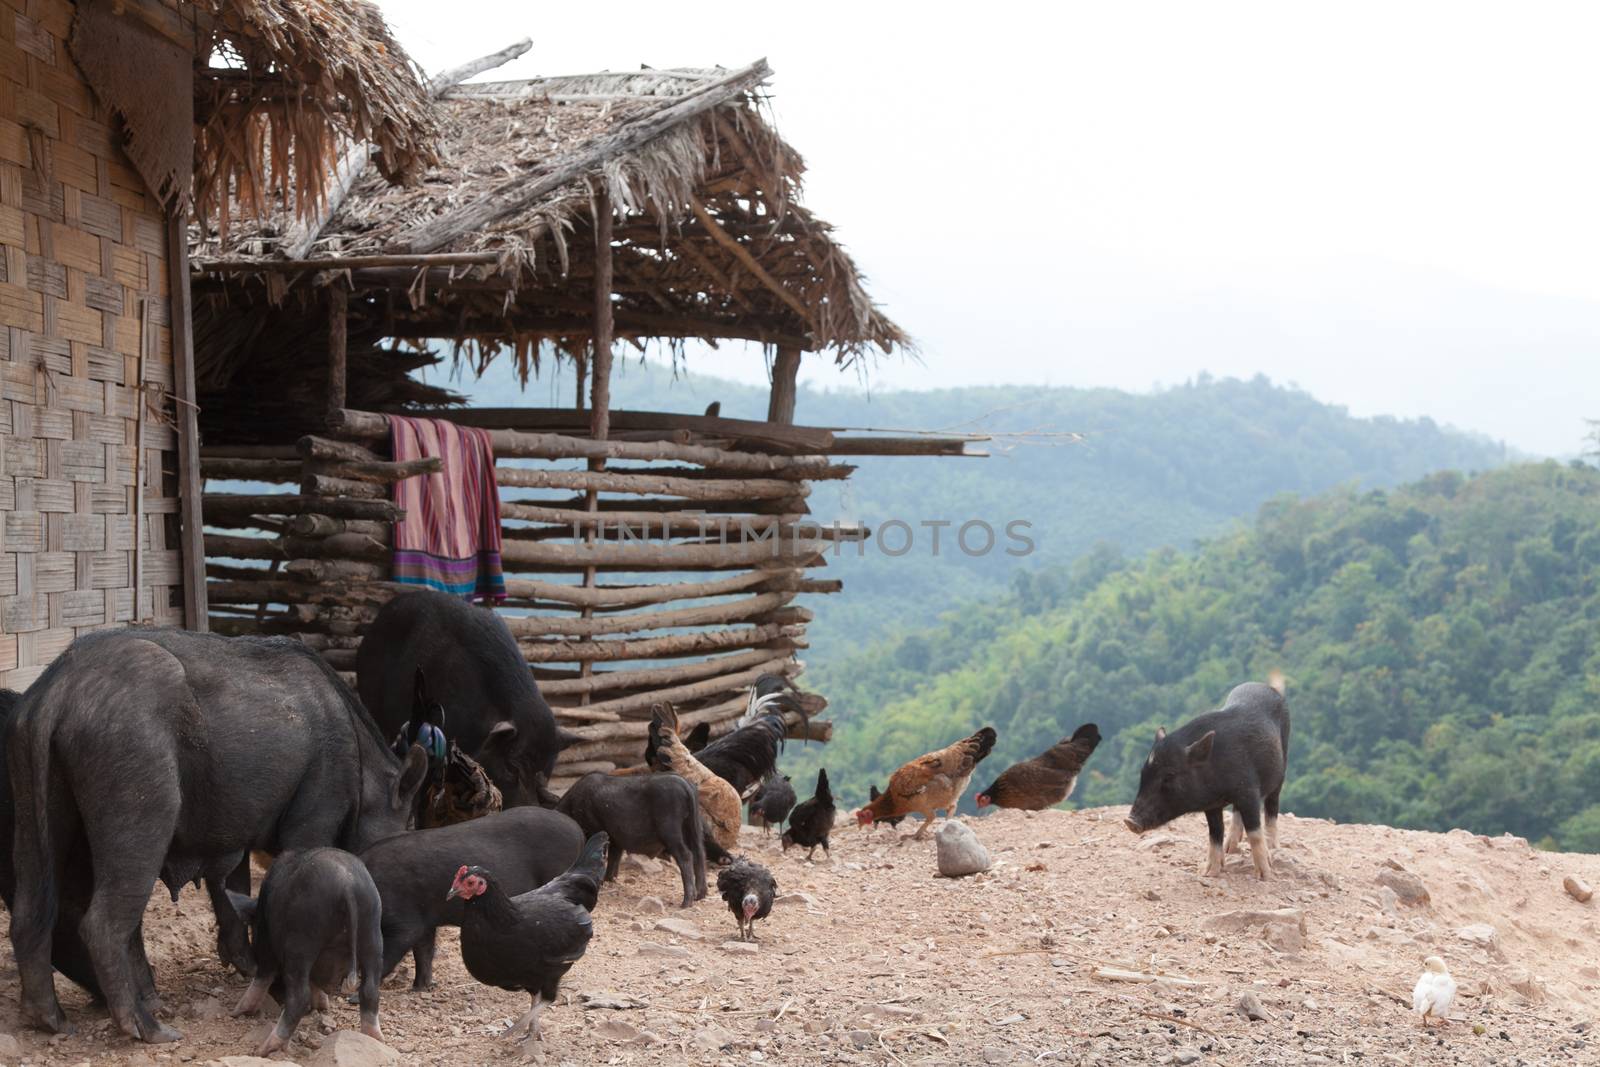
83 305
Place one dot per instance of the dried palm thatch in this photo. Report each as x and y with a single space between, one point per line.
302 78
710 239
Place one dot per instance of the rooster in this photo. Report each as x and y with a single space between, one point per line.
748 889
1047 779
749 753
719 801
873 794
529 942
930 782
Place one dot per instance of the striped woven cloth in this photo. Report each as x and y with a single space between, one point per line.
450 537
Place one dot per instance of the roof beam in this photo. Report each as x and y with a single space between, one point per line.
518 194
742 254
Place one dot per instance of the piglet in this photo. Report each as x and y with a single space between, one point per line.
1233 756
649 814
316 926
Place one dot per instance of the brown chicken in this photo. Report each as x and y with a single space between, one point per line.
930 782
719 802
1047 779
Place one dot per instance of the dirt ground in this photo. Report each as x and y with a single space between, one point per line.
871 958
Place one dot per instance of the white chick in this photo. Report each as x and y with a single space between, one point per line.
1435 992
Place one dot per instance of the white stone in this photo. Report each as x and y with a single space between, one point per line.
960 851
350 1049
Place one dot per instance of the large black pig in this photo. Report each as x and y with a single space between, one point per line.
413 872
492 708
1236 756
167 754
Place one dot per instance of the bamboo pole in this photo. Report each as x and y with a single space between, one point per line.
600 391
589 626
674 646
653 677
338 314
244 504
190 491
597 478
785 372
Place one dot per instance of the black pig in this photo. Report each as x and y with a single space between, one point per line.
316 926
491 706
651 814
1233 756
414 871
155 753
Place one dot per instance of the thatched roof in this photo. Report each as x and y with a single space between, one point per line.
711 240
302 78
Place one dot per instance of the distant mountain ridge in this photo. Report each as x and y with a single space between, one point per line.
1161 468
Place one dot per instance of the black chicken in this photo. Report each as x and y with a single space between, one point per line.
529 942
771 802
812 820
748 888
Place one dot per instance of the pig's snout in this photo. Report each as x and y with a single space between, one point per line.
1130 824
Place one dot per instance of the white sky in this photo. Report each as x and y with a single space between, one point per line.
1393 205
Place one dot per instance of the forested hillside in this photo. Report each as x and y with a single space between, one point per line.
1163 468
1441 642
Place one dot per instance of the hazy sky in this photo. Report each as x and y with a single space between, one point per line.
1393 205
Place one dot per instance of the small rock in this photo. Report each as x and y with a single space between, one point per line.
1577 889
1151 842
610 1001
350 1049
713 1039
1250 1007
796 897
650 906
1151 894
1527 984
234 1061
616 1030
640 864
997 1054
1483 936
1234 922
1407 886
671 952
860 1038
1185 1054
10 1049
740 946
206 1008
960 851
682 927
1285 937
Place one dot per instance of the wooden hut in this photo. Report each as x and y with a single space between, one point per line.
565 213
117 117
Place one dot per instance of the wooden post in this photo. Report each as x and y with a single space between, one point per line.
780 408
338 317
600 368
580 374
192 538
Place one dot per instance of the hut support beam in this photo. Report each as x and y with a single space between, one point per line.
600 391
748 261
338 318
785 371
192 537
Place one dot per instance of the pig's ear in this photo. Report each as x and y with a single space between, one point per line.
1161 734
243 903
412 772
565 739
419 689
1200 751
501 737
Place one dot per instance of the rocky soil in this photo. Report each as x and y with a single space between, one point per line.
1081 945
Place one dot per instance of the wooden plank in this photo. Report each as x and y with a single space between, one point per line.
785 370
191 535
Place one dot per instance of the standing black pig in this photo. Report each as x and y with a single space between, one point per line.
651 814
1233 756
414 871
492 708
169 754
316 927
